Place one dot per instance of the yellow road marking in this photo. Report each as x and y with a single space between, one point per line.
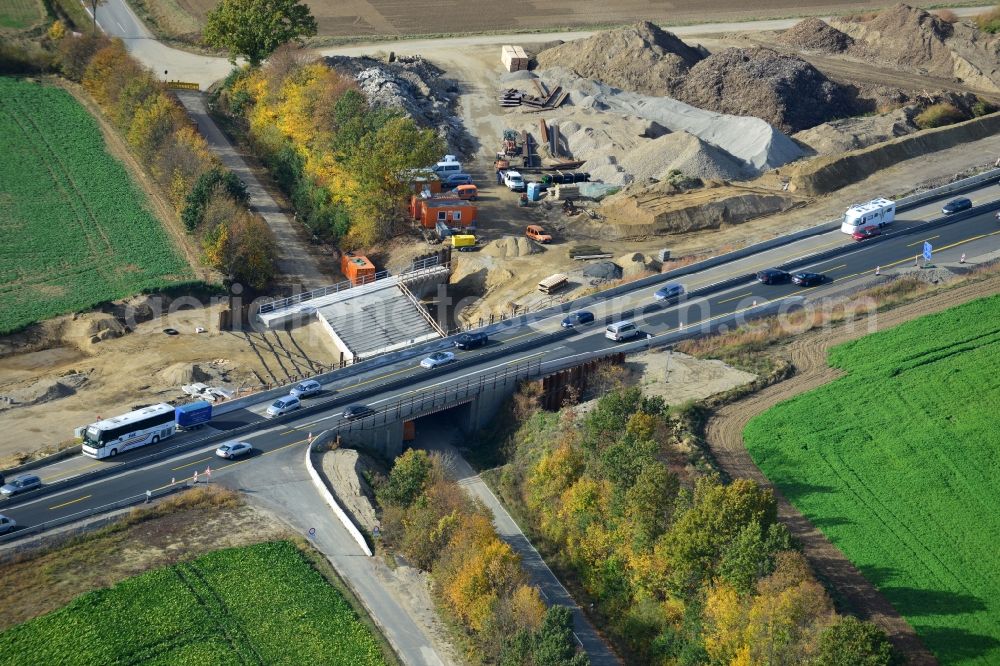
827 270
239 462
736 298
78 499
920 242
946 247
191 463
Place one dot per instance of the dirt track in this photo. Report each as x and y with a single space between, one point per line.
724 436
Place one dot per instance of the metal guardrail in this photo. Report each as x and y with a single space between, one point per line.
400 355
22 532
278 303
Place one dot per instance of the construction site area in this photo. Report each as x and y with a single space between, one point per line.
616 156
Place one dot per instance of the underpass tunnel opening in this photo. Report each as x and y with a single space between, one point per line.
440 430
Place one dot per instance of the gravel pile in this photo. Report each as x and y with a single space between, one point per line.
813 34
640 57
685 153
781 89
748 140
519 75
603 270
412 85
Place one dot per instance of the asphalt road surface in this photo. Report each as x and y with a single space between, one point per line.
974 236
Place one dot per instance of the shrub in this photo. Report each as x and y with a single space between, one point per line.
939 115
983 108
989 21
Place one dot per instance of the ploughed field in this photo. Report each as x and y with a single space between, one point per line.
262 604
898 463
76 229
371 18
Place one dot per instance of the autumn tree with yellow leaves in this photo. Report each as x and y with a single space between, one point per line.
682 568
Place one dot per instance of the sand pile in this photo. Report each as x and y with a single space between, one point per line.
813 34
781 89
510 247
749 140
640 57
343 469
914 40
686 153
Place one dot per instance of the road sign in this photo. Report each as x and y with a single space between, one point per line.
927 251
312 532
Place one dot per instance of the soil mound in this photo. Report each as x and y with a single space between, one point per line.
640 57
914 40
840 136
813 34
184 373
782 89
43 390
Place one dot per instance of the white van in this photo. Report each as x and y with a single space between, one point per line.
289 403
443 169
622 330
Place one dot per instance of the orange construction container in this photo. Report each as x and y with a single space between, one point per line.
429 182
453 212
409 431
357 268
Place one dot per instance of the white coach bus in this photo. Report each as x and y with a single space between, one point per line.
110 437
876 213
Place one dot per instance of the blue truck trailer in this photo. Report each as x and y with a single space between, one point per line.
193 415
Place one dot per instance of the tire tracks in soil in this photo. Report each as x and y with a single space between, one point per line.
724 437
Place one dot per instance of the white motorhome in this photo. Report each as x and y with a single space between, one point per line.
875 213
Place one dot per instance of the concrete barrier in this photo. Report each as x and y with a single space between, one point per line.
331 500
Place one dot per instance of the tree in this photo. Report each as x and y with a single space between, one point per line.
554 642
407 479
750 555
253 29
851 642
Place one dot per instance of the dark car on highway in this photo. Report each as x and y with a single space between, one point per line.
352 412
957 206
471 340
865 234
578 318
772 276
807 279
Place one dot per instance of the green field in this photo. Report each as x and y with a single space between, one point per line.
20 14
263 604
76 229
899 464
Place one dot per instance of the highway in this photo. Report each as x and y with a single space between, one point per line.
975 236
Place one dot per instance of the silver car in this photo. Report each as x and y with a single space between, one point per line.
231 450
21 484
6 524
307 388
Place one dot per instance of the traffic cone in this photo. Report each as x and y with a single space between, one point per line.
754 304
310 438
878 270
208 473
962 260
172 481
195 477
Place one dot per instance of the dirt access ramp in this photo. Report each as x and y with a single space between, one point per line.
724 438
